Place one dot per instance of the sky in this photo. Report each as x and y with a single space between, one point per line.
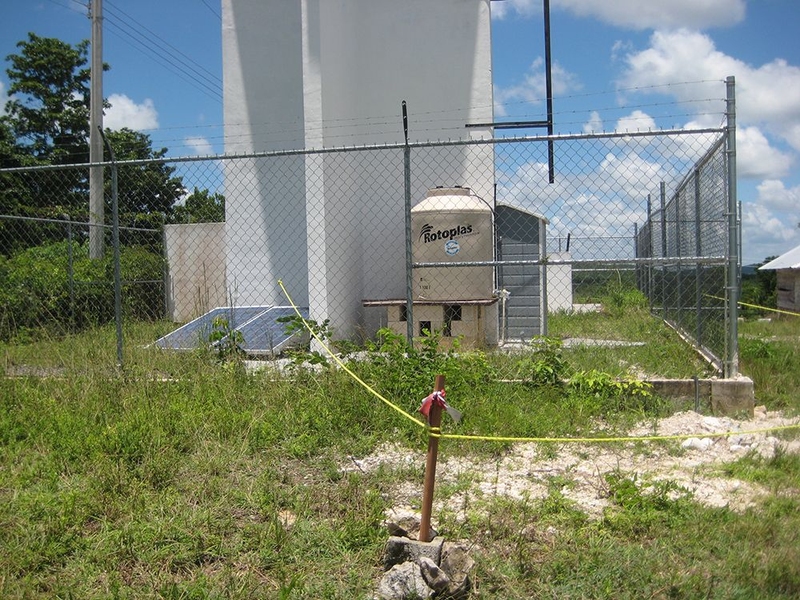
617 65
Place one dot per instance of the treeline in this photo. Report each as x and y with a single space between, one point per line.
46 275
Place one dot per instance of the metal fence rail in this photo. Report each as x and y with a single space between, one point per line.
468 238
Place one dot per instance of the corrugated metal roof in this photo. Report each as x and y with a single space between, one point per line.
790 260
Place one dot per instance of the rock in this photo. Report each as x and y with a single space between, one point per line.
435 577
698 443
404 582
407 527
457 563
399 550
395 529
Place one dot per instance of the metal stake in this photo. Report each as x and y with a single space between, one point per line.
435 421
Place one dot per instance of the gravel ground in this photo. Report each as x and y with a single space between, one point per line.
527 469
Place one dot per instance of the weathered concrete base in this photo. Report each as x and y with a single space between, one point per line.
727 397
733 396
402 549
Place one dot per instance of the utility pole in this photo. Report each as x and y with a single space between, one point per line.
96 197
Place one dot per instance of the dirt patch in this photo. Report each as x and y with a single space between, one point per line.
531 470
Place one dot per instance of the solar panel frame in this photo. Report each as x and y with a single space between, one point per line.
260 332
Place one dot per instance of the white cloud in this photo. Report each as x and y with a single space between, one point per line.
594 124
756 158
524 8
636 14
762 227
199 145
533 88
124 112
773 194
602 199
675 57
769 225
768 95
636 121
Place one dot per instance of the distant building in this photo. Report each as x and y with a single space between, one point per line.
788 272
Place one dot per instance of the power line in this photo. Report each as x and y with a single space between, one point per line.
213 12
160 51
195 66
143 47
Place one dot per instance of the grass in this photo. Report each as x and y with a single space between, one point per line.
186 477
767 353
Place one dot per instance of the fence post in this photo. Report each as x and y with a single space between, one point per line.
435 421
663 195
698 249
165 270
70 274
649 250
115 239
409 254
679 268
731 362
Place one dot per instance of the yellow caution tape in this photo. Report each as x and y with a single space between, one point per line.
767 308
437 432
344 366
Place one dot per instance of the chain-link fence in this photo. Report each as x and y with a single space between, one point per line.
686 238
467 238
49 283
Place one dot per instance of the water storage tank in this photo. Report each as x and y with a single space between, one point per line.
452 225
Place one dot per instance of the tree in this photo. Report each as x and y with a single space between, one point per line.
201 207
48 107
48 116
145 188
48 120
759 289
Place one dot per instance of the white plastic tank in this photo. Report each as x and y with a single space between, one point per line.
452 225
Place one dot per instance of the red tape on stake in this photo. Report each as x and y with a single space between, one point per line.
438 397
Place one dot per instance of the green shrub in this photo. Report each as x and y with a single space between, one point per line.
401 371
545 364
603 394
38 291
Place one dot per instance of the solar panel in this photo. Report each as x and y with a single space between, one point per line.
261 333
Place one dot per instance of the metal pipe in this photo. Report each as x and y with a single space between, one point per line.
698 244
70 274
115 241
409 252
731 362
663 196
549 89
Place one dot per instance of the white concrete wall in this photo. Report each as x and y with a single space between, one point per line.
263 111
338 70
559 283
196 275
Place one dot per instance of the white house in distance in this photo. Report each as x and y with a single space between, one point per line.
312 74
